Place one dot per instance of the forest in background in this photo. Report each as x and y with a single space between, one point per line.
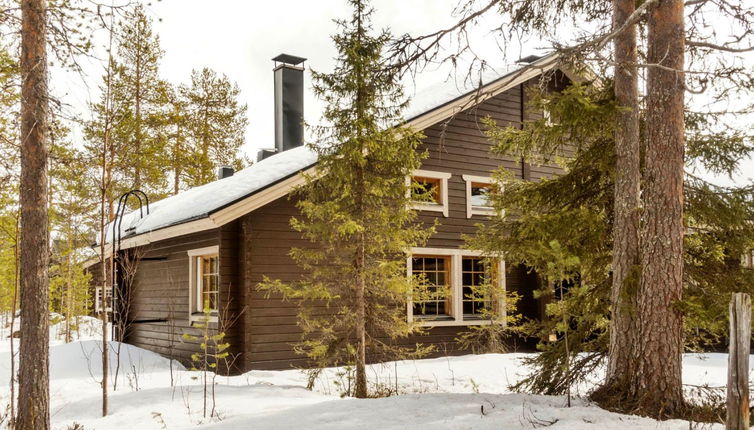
143 133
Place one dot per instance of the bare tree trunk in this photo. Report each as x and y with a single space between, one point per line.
34 395
625 265
656 384
69 291
14 308
361 374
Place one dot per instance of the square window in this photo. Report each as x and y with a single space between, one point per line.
480 195
428 191
478 190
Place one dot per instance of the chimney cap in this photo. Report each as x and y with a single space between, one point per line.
225 172
289 59
529 59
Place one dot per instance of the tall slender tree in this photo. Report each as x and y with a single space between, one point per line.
34 395
138 88
355 210
626 269
656 384
716 69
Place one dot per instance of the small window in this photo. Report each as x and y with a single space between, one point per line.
429 191
478 189
475 275
98 299
436 301
208 279
426 190
480 195
205 280
748 259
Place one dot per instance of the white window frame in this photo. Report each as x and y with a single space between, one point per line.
432 207
194 287
98 298
470 209
456 285
747 260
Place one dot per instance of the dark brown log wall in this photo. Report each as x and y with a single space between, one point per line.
258 245
459 147
159 309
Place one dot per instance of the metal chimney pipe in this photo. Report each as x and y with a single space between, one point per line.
289 102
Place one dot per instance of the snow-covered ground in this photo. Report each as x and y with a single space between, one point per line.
467 392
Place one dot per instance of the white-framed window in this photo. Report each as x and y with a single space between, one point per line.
747 260
204 279
98 299
478 190
455 275
429 191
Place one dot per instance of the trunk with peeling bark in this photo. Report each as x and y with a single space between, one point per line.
627 179
33 396
656 384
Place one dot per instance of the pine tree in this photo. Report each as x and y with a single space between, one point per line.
72 203
34 396
214 122
713 71
574 213
355 210
139 92
177 136
626 256
656 383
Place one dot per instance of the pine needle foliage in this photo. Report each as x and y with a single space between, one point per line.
355 211
561 228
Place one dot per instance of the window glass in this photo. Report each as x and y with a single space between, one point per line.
475 275
426 190
208 278
436 301
480 195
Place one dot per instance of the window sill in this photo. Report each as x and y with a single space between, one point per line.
452 323
198 317
431 207
481 211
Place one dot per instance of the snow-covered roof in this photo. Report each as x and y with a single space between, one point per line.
426 99
199 202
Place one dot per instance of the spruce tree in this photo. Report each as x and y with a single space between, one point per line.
355 210
139 92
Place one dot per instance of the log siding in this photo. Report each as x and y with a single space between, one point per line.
258 244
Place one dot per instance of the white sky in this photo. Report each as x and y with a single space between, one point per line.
239 38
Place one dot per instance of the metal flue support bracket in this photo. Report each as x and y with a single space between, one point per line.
120 212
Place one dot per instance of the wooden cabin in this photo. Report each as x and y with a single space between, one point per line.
216 242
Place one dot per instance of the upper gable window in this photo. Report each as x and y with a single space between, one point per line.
429 191
478 189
